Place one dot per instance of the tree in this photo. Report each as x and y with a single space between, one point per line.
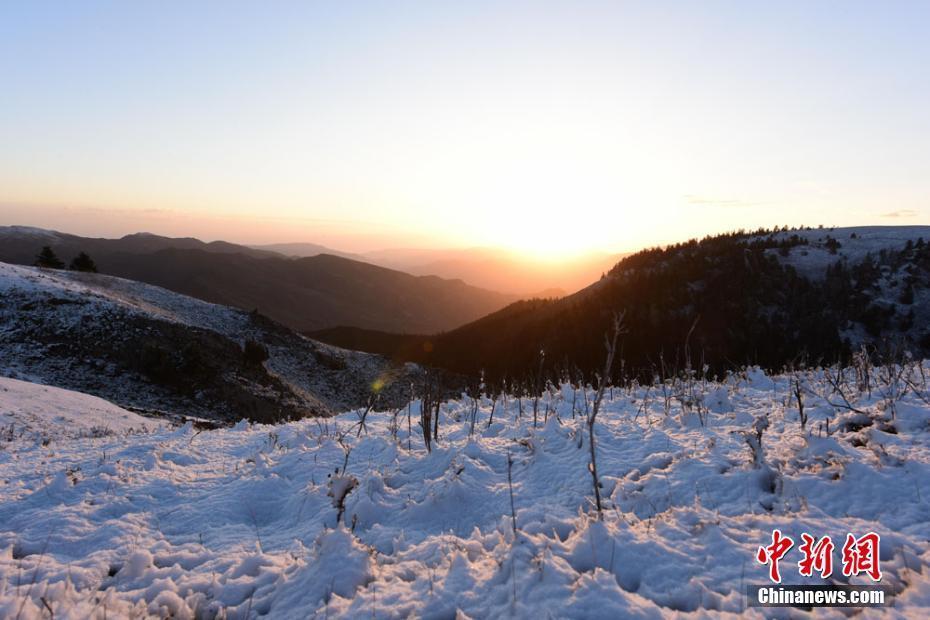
83 262
254 353
48 260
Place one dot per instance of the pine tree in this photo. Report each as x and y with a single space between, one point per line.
48 259
83 262
254 353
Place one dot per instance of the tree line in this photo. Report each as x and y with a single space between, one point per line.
47 259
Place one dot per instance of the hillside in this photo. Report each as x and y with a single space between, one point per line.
147 348
34 411
311 519
305 294
770 298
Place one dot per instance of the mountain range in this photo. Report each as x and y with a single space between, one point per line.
492 268
769 297
309 293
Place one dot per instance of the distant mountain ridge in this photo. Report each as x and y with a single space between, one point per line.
491 268
18 244
305 294
502 270
304 250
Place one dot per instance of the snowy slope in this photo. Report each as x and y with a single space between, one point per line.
242 522
855 242
92 333
31 410
854 245
134 297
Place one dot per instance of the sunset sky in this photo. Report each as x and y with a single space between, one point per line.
545 127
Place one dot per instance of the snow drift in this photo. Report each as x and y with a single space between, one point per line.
245 522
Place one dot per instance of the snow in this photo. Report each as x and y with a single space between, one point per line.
28 409
243 521
32 231
44 310
811 260
135 297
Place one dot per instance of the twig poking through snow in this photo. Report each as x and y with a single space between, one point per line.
611 343
513 512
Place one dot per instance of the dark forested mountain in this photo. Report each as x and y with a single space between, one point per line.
767 297
304 294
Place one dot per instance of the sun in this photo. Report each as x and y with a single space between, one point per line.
541 209
545 238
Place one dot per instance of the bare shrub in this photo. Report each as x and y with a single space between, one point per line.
610 342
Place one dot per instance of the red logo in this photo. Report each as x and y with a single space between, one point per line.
860 555
817 556
773 553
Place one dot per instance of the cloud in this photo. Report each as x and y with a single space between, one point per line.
901 213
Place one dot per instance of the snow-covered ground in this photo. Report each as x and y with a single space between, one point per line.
855 242
87 331
32 410
132 296
242 522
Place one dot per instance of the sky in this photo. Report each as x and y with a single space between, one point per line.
550 128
